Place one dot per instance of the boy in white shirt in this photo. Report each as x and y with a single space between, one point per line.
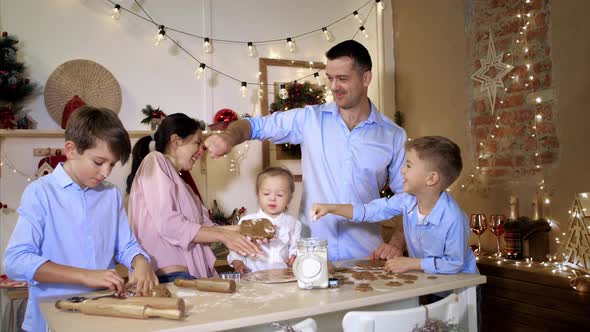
274 188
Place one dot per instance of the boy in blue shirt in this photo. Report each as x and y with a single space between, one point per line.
72 223
436 230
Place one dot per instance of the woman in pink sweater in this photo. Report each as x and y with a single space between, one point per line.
167 216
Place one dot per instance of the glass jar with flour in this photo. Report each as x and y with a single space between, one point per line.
311 265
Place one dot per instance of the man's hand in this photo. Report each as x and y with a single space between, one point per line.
218 145
386 251
143 276
402 264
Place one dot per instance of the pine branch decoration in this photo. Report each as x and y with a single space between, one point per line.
151 114
299 96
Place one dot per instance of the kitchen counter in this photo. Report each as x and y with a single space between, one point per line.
257 305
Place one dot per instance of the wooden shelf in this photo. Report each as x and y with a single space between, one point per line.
33 133
530 298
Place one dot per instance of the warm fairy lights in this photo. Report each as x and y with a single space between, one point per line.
207 45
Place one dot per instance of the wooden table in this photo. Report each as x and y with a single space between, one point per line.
530 297
256 305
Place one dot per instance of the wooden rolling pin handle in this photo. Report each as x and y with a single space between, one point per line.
163 313
68 305
208 285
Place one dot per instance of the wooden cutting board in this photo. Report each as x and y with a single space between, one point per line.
270 276
367 264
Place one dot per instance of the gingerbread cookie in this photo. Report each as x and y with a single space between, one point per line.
404 276
363 288
393 284
363 276
370 264
257 229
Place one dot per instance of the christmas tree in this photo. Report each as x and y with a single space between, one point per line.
15 87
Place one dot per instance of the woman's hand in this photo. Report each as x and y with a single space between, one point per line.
239 243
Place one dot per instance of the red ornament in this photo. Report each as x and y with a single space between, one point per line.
223 118
225 115
7 120
27 81
4 34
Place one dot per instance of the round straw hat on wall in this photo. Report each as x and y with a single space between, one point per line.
93 83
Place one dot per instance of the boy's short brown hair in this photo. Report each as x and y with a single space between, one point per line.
87 124
442 153
276 171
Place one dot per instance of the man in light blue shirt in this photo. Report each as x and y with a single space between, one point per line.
72 223
348 150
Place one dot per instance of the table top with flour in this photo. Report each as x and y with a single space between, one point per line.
257 303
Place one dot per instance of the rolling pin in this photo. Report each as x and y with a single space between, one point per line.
155 302
208 285
119 308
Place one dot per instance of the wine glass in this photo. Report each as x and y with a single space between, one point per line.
478 225
496 224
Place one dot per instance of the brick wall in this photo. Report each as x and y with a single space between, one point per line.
519 138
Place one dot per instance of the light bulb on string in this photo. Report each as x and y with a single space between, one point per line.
329 36
364 31
380 5
318 79
358 17
161 35
283 94
207 47
244 89
116 12
290 45
252 51
200 70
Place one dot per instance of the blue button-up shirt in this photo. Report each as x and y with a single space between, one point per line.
339 166
439 240
63 223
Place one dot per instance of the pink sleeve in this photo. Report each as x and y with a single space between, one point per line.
163 203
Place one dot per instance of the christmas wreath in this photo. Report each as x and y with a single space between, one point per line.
298 95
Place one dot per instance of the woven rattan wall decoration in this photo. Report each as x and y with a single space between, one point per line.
90 81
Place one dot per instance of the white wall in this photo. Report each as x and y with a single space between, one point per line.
52 32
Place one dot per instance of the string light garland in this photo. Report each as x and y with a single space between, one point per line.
520 42
6 163
482 153
163 33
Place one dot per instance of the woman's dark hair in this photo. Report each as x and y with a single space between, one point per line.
178 123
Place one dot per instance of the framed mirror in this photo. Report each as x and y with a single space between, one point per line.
273 73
